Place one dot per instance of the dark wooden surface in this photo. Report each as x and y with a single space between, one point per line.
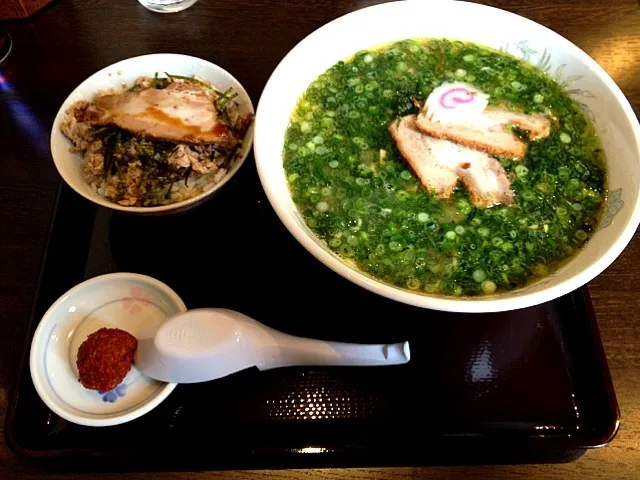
70 39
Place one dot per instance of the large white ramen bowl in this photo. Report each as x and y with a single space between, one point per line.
120 76
584 79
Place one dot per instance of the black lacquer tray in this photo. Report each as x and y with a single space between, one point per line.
523 386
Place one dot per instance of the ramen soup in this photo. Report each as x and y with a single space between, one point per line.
444 167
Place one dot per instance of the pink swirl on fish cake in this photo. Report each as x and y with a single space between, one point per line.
456 100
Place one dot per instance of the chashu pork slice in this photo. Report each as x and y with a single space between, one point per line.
183 112
489 132
439 164
486 181
537 126
436 171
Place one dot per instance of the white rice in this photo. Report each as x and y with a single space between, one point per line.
195 185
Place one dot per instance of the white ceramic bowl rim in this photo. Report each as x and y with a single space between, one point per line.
94 419
297 226
247 143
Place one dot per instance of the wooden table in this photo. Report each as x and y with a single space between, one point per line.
70 39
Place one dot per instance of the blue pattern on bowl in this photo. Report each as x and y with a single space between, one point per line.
113 395
541 58
614 205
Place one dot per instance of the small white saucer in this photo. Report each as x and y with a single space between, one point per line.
128 301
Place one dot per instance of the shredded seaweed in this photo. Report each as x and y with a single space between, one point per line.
186 176
109 141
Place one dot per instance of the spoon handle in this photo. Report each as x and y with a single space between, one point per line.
296 351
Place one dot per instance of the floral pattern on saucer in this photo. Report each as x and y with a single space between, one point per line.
113 395
137 300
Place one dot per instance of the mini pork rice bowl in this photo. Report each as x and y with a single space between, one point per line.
163 141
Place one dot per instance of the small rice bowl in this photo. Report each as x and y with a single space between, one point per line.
158 142
191 188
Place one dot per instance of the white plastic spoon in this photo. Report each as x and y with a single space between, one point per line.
206 344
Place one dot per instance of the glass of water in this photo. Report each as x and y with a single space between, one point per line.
167 6
5 45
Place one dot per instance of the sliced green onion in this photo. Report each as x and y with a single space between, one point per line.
423 217
395 246
431 287
322 207
479 275
521 171
355 225
488 287
540 270
345 250
463 206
